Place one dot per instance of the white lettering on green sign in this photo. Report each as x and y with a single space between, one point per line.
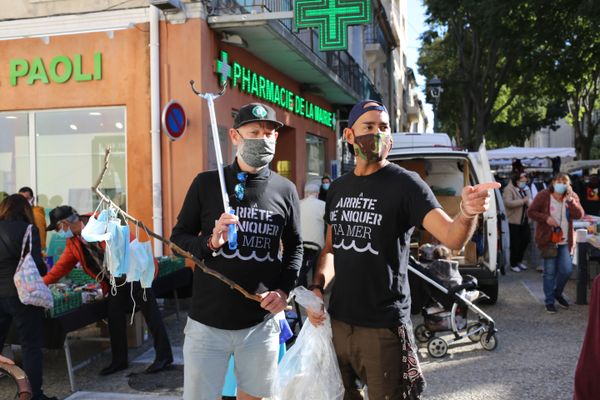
59 70
257 85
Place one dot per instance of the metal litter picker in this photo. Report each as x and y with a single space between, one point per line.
210 99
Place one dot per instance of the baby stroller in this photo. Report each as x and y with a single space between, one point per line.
444 298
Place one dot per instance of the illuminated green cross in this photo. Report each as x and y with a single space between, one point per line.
223 68
332 18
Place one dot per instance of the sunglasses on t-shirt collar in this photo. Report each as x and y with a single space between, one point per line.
240 187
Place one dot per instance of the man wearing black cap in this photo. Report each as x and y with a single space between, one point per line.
222 321
68 224
371 213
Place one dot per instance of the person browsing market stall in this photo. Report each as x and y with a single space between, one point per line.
222 321
554 210
90 255
371 213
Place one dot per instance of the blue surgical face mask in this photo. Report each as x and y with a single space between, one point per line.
522 185
326 186
65 234
560 188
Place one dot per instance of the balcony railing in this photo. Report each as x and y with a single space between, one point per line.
340 62
374 35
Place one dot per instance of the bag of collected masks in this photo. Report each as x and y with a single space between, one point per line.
30 286
309 370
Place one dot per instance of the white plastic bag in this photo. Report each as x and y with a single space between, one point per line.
309 370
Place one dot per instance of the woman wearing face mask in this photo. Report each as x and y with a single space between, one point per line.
15 217
554 210
325 181
517 198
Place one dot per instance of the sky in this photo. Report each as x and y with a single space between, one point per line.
415 25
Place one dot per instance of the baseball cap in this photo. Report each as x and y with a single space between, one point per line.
256 112
359 109
58 214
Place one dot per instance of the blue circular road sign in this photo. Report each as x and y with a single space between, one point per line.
174 121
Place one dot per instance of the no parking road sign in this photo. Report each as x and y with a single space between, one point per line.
174 121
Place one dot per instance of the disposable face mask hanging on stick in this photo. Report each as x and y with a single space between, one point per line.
210 98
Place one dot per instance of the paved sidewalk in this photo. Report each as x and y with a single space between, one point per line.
535 358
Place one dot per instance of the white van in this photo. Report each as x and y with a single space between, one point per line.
447 170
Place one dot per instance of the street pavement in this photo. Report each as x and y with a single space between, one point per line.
535 358
536 355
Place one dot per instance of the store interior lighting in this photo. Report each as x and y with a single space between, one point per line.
73 126
95 113
10 117
119 125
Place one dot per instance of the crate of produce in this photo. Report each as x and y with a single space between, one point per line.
65 300
78 277
168 264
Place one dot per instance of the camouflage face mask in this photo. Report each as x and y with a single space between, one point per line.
372 147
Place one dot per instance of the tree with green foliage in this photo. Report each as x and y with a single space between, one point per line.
494 58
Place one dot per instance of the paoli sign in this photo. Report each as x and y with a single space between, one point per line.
255 84
59 70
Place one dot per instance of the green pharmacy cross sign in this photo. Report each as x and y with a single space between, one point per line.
332 18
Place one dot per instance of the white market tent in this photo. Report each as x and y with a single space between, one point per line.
511 152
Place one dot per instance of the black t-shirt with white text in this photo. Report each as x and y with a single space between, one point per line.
372 218
269 252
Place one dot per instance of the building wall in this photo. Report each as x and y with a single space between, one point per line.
189 51
563 136
125 82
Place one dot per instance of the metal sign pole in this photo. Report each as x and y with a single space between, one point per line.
210 98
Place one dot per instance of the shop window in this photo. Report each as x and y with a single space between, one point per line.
15 169
315 158
70 146
60 154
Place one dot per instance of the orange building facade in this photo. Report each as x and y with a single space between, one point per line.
64 99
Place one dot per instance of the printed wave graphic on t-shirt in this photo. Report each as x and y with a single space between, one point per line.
252 256
352 245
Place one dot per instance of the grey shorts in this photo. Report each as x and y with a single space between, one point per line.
206 353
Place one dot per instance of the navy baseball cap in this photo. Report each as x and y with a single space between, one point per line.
359 109
255 112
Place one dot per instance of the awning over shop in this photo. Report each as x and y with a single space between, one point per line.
508 153
581 164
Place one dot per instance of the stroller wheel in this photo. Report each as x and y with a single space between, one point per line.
437 347
474 337
422 334
489 341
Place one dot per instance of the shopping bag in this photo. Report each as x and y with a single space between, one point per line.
30 286
309 370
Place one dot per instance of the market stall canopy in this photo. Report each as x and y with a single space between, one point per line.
508 153
581 164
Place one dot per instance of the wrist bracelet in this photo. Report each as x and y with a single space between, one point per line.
209 244
320 287
464 213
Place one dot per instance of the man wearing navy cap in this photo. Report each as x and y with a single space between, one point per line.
371 213
222 321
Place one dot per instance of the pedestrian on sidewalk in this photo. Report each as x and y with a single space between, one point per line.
312 211
90 255
371 213
266 261
517 198
554 210
15 216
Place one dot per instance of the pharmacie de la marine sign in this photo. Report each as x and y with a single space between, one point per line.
250 82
